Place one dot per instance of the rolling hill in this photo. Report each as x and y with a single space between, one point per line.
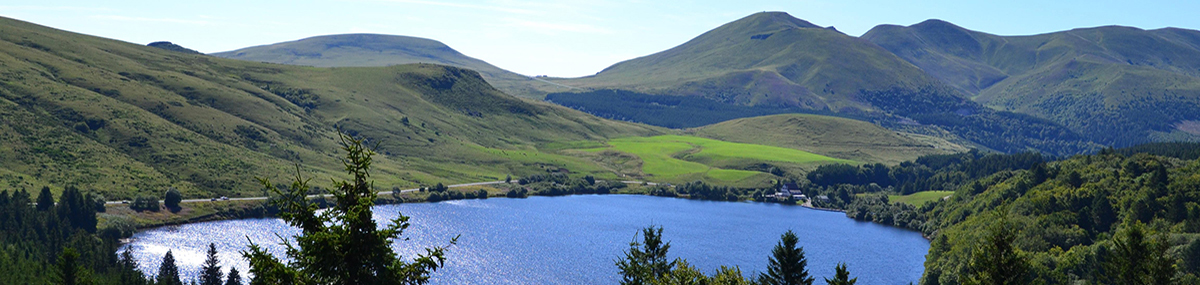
368 50
771 63
829 136
126 119
1115 85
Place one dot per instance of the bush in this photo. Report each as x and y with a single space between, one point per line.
172 198
144 203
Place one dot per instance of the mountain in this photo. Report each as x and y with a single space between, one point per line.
364 50
128 119
1116 85
771 63
768 58
829 136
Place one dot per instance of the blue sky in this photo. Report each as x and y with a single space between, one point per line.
559 38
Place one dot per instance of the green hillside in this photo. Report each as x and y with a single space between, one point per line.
772 63
127 119
368 50
681 159
767 58
1116 85
829 136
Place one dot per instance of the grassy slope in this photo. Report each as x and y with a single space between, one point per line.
920 198
829 136
797 64
1121 85
676 158
368 50
126 119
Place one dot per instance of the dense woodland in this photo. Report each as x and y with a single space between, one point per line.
1106 218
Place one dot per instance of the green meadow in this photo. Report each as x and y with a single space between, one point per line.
685 158
920 198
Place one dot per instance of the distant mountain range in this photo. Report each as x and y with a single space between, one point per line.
1115 85
364 50
1062 93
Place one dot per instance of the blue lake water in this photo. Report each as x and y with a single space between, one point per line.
576 239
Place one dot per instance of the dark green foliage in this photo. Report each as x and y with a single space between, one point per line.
341 244
1191 258
69 271
1180 150
144 203
507 179
646 261
557 184
172 198
45 200
995 260
702 191
210 273
168 272
234 278
787 265
517 193
663 110
1138 256
1004 131
930 172
841 276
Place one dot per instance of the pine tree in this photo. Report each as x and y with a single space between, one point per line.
787 264
342 244
841 276
234 277
45 200
647 263
210 274
996 260
1138 257
70 272
168 272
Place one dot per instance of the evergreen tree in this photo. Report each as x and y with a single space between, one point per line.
1191 257
1138 257
342 244
210 274
45 200
234 278
129 273
507 179
787 264
70 272
841 276
996 260
168 272
646 261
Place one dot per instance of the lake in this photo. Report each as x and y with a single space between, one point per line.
576 239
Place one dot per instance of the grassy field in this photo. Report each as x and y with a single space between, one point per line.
829 136
675 158
920 198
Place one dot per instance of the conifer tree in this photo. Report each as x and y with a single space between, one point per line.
841 276
45 200
234 278
996 260
211 272
787 264
342 244
168 272
646 261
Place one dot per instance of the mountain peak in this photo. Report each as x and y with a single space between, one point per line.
768 21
